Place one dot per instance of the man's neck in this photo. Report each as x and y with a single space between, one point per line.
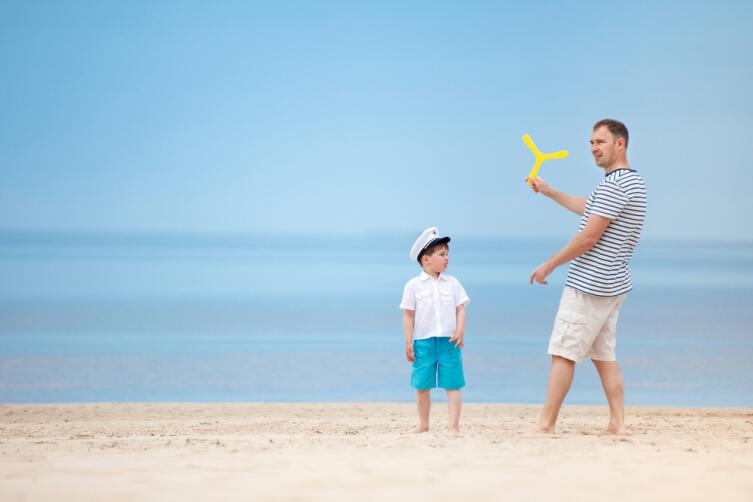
620 164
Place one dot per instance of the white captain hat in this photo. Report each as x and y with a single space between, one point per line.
428 238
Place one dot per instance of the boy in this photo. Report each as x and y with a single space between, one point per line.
433 322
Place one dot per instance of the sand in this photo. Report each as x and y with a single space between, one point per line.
360 452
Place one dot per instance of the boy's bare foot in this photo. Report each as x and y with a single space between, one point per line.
421 428
454 430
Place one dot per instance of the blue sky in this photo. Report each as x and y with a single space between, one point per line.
360 117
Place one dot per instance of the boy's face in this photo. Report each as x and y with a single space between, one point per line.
437 262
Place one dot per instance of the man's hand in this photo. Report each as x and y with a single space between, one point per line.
538 185
458 338
572 203
409 355
541 272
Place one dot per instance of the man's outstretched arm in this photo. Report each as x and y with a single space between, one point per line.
574 203
582 242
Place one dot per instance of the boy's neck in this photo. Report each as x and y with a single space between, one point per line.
435 275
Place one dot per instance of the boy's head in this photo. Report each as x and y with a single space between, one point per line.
435 259
430 250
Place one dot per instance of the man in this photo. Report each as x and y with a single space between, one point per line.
599 278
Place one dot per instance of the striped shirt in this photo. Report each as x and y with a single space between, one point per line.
603 269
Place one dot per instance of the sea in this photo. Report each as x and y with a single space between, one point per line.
112 317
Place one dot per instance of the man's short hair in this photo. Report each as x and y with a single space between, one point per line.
615 127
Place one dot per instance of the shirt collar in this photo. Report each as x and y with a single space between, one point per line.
424 276
619 169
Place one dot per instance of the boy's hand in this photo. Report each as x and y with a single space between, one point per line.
409 355
458 338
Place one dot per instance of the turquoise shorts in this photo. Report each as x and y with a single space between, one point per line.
437 359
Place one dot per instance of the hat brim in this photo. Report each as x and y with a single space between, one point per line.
435 242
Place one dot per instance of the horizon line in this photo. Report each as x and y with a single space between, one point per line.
140 236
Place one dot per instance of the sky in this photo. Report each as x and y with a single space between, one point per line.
367 117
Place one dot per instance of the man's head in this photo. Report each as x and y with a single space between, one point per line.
609 141
435 259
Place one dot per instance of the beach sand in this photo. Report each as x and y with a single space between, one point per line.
364 452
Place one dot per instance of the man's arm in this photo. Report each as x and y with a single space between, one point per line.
582 242
409 318
459 326
574 203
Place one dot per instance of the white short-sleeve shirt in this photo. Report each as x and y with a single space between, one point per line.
434 301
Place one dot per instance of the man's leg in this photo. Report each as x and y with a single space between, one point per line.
453 406
560 379
611 380
423 403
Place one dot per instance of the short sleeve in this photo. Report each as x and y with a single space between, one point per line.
609 199
461 297
409 298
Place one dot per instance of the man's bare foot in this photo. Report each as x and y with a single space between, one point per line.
421 428
614 431
541 430
453 430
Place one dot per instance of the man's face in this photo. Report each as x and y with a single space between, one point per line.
605 148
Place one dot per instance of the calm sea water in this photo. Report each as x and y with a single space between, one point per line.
213 318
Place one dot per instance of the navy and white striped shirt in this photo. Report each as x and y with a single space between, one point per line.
603 269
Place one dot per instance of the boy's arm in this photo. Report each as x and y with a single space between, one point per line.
459 326
409 318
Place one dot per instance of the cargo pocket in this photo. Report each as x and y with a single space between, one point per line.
571 307
569 326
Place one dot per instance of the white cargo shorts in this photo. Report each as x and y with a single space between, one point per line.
586 326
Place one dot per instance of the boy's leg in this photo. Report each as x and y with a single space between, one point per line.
453 406
611 380
560 379
423 403
423 379
451 378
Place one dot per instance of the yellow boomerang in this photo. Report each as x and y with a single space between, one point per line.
540 157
